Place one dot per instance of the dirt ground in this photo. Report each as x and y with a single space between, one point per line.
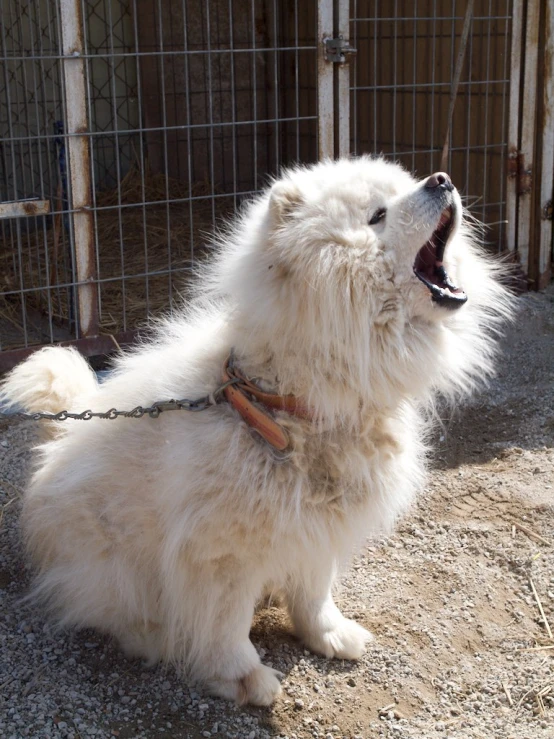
461 648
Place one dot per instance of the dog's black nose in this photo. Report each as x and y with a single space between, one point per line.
439 179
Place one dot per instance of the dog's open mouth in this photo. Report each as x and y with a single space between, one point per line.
429 267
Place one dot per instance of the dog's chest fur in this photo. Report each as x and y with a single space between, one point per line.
342 468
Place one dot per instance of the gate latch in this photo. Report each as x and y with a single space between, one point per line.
336 50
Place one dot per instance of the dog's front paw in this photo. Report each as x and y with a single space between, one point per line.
345 639
259 688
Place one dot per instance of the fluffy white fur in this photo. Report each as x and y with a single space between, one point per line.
165 532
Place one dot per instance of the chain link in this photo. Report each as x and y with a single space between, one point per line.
152 411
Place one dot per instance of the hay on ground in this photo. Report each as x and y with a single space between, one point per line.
137 247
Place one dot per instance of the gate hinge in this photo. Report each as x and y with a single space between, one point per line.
517 169
336 50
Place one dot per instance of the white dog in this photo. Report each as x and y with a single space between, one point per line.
337 289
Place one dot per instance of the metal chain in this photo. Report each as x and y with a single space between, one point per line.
152 411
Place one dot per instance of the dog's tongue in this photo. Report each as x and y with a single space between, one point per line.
429 266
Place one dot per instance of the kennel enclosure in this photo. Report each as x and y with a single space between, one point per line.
130 130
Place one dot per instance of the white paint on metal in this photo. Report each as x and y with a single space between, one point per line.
325 112
79 163
513 125
547 164
528 131
24 208
343 73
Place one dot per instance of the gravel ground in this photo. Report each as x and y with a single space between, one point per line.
460 650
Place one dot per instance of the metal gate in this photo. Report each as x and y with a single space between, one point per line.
466 86
130 129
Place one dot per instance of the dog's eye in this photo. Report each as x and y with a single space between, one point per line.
379 214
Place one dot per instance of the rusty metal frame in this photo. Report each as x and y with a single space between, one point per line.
24 208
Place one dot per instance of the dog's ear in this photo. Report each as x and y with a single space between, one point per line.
284 198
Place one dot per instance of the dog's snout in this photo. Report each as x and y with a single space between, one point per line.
441 180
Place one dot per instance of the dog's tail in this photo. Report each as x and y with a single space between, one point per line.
50 380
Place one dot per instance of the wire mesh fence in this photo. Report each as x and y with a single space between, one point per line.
186 107
189 106
401 86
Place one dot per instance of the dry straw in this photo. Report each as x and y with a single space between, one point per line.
156 237
530 533
541 609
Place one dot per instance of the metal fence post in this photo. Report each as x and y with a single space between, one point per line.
79 164
544 257
343 80
325 106
513 127
526 168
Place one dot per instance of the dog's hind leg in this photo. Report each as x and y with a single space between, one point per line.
316 618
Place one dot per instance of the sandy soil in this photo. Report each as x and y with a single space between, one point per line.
461 648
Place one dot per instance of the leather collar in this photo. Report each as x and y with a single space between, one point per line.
256 406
